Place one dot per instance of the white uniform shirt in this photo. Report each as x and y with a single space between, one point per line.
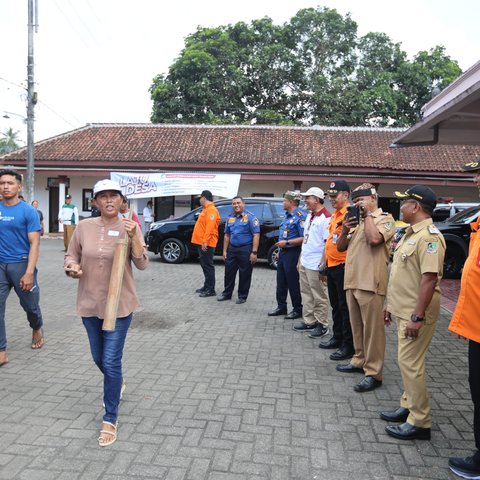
147 215
314 238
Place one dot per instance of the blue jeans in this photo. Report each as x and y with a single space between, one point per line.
10 275
107 350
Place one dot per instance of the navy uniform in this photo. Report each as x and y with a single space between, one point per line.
240 229
288 279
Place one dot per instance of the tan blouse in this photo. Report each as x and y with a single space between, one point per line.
92 247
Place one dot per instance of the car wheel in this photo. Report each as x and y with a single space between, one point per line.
454 260
272 256
172 251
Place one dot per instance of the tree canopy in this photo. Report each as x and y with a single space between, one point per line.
314 69
9 140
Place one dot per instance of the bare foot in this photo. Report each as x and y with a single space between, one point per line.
3 358
37 339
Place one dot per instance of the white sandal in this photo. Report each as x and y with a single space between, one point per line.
102 441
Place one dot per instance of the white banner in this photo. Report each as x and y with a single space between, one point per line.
146 185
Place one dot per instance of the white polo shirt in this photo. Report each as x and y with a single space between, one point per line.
314 238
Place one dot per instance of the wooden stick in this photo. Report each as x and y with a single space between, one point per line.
116 281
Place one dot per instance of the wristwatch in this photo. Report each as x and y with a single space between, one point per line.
287 243
416 318
254 252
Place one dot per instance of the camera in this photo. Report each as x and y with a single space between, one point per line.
353 211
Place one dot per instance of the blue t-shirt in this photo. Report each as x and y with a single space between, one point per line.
241 228
16 222
292 225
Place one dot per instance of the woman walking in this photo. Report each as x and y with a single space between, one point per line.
89 258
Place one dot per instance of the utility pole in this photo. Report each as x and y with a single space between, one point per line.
31 101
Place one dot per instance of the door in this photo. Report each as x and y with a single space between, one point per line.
53 209
164 207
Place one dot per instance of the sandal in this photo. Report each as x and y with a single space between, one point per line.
4 360
104 442
37 340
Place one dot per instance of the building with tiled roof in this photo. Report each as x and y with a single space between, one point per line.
270 159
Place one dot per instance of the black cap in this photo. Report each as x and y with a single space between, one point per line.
207 194
472 166
68 196
337 186
421 194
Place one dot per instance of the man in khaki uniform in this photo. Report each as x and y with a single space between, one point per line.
414 299
368 246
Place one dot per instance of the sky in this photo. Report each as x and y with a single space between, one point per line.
95 59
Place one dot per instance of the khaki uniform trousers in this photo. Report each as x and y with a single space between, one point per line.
67 234
314 297
368 329
411 360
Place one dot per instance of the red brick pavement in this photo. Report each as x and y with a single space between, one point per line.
450 291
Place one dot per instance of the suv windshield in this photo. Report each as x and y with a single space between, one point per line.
466 216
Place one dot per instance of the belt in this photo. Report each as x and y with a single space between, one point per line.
243 245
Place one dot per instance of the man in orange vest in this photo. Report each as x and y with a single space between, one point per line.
465 323
205 235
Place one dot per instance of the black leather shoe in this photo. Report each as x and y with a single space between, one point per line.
405 431
277 312
304 327
367 385
207 293
467 467
293 315
332 343
349 368
342 353
318 331
240 301
200 290
222 298
398 415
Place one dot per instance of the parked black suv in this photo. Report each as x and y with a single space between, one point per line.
456 231
171 238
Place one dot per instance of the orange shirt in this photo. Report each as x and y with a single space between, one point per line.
206 228
465 320
333 256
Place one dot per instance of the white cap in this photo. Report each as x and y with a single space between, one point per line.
315 191
104 185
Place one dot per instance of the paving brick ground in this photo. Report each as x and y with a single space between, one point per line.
215 391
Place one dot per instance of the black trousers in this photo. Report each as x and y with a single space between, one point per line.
474 380
238 260
206 261
342 330
288 279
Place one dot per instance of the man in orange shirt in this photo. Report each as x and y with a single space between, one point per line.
342 339
465 323
205 235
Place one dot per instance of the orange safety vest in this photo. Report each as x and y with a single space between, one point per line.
206 228
465 321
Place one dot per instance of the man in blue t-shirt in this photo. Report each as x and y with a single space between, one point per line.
19 249
240 249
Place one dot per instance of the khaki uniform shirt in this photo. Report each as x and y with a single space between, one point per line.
366 267
421 250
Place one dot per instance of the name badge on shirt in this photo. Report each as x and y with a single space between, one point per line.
113 233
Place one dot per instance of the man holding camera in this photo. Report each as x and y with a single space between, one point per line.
366 235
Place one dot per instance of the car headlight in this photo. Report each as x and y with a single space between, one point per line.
156 225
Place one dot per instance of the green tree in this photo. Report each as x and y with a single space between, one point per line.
10 140
311 70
